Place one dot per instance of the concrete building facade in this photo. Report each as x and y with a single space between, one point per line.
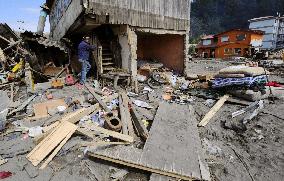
274 31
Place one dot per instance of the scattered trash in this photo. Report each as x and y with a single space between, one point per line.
147 89
141 78
3 121
4 174
3 161
142 104
119 117
35 131
210 102
212 149
61 109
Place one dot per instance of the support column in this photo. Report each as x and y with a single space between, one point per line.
186 53
128 43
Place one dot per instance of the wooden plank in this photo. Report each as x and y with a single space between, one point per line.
123 116
138 166
125 103
142 131
98 98
110 98
157 177
79 114
114 134
12 92
22 106
53 154
50 142
169 145
71 117
169 149
213 111
102 143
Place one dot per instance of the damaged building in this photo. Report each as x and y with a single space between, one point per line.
125 32
274 31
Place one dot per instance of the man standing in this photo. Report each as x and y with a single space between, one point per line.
84 50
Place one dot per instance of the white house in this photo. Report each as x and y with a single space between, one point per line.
273 28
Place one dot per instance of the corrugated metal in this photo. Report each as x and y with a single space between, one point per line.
31 36
51 43
162 14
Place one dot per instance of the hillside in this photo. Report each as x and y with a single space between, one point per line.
213 16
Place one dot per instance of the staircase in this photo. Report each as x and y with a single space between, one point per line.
107 60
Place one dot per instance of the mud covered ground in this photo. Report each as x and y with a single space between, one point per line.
236 152
233 151
252 152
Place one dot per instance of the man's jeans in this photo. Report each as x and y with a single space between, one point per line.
85 69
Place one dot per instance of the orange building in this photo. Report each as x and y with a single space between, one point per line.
230 43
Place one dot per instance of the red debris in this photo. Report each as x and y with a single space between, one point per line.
273 84
5 175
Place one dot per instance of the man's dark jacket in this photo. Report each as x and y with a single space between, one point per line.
84 49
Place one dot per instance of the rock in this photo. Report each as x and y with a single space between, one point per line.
251 95
31 170
191 76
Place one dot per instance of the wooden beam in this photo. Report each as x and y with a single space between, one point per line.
98 98
93 130
123 116
22 106
76 116
54 153
142 131
12 92
213 111
50 142
125 106
138 166
72 118
102 143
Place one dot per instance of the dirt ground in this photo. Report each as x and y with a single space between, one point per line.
235 152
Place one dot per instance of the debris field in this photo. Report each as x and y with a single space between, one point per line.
222 120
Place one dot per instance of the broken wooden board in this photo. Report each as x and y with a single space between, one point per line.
41 109
123 117
73 117
91 131
51 142
127 116
79 114
53 154
130 157
23 105
213 111
127 112
173 147
101 143
141 129
98 98
157 177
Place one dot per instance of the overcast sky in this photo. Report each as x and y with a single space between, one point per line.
21 15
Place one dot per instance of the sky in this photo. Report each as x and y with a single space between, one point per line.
21 15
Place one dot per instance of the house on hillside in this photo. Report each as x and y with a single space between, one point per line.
236 42
207 46
125 31
274 31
